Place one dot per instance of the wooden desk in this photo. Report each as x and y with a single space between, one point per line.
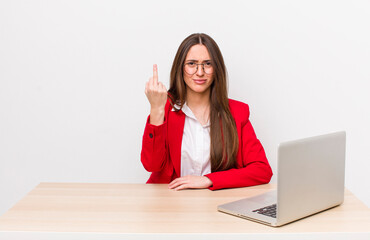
147 210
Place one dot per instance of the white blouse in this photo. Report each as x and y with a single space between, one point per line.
195 146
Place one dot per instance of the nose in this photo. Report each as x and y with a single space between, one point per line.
200 70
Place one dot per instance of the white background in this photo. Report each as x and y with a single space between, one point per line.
72 77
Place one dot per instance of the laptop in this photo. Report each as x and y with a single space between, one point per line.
310 180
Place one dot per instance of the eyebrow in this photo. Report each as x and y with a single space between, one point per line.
194 60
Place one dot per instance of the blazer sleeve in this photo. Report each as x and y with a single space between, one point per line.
154 147
253 167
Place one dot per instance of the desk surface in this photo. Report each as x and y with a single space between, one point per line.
152 208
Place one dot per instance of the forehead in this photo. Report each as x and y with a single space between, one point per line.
198 52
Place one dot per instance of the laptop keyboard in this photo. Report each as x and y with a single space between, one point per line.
267 211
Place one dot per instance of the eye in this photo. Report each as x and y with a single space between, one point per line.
191 64
208 64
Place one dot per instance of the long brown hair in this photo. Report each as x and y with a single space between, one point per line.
223 134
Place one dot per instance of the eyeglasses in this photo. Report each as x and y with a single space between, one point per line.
192 67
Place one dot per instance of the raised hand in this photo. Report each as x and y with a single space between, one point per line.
156 93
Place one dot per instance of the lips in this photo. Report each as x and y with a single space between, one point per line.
200 81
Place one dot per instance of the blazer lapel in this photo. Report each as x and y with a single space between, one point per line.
176 122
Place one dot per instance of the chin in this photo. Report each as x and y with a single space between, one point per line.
199 89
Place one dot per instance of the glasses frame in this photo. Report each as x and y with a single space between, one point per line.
198 68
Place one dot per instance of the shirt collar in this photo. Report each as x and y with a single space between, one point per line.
187 111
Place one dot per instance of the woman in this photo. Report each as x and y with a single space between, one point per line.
195 137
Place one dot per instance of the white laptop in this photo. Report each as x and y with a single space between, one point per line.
310 179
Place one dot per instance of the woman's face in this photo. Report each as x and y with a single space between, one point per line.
198 79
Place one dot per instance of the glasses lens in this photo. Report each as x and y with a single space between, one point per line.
190 68
208 69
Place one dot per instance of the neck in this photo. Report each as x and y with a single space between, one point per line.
198 99
199 104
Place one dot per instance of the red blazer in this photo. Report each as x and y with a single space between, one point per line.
161 151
